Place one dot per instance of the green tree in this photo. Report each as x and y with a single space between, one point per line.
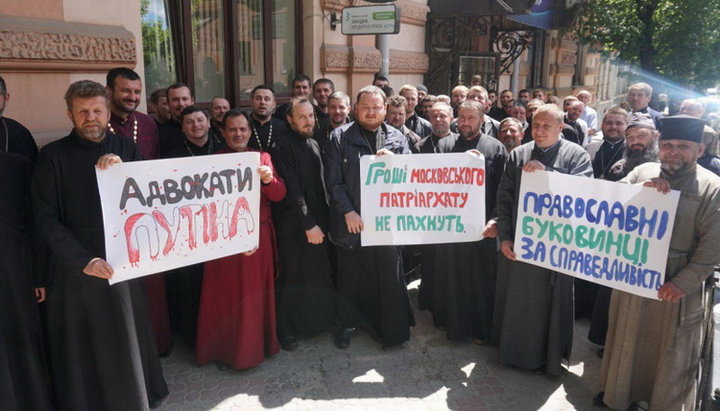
678 39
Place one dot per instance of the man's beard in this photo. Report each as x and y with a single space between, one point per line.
303 133
122 107
261 117
96 134
634 158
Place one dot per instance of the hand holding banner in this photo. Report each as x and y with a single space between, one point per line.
613 234
422 199
164 214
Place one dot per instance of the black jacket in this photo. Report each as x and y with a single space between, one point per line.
342 174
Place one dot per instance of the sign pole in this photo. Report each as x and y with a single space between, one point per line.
383 44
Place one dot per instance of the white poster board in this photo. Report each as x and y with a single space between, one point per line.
422 199
164 214
613 234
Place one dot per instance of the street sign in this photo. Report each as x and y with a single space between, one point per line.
371 20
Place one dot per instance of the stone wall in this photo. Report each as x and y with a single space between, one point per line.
47 44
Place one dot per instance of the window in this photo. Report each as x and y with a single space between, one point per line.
221 47
536 54
208 48
158 50
283 45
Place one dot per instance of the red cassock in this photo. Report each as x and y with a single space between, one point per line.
236 323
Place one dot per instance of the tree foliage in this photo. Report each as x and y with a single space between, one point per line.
678 39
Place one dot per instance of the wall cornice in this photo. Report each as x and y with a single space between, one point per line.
57 46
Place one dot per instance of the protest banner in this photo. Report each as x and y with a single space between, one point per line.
426 199
613 234
164 214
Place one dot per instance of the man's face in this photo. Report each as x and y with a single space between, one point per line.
524 95
125 95
395 116
531 109
677 155
546 130
440 121
492 96
236 133
262 103
338 111
691 109
637 100
510 135
613 127
301 88
567 103
584 97
505 98
519 113
218 108
458 96
196 126
421 94
380 83
539 94
639 139
302 119
90 116
426 107
321 92
575 110
161 109
178 99
412 98
479 97
370 111
469 122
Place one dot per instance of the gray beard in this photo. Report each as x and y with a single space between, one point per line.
634 159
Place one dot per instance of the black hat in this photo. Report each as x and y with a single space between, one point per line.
682 127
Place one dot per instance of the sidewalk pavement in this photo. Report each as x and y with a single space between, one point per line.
427 373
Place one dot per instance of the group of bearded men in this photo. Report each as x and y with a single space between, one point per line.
310 274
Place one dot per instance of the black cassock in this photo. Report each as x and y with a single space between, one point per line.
15 138
102 349
184 284
22 367
305 286
463 280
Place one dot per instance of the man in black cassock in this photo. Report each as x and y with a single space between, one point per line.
305 304
170 133
23 383
440 117
14 137
267 130
533 315
102 350
464 273
338 108
184 284
370 285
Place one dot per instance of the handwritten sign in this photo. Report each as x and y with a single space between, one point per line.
165 214
422 199
612 234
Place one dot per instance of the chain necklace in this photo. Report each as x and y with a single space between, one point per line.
432 140
135 129
612 159
7 137
257 137
209 143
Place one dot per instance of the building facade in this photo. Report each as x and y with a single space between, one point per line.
226 47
